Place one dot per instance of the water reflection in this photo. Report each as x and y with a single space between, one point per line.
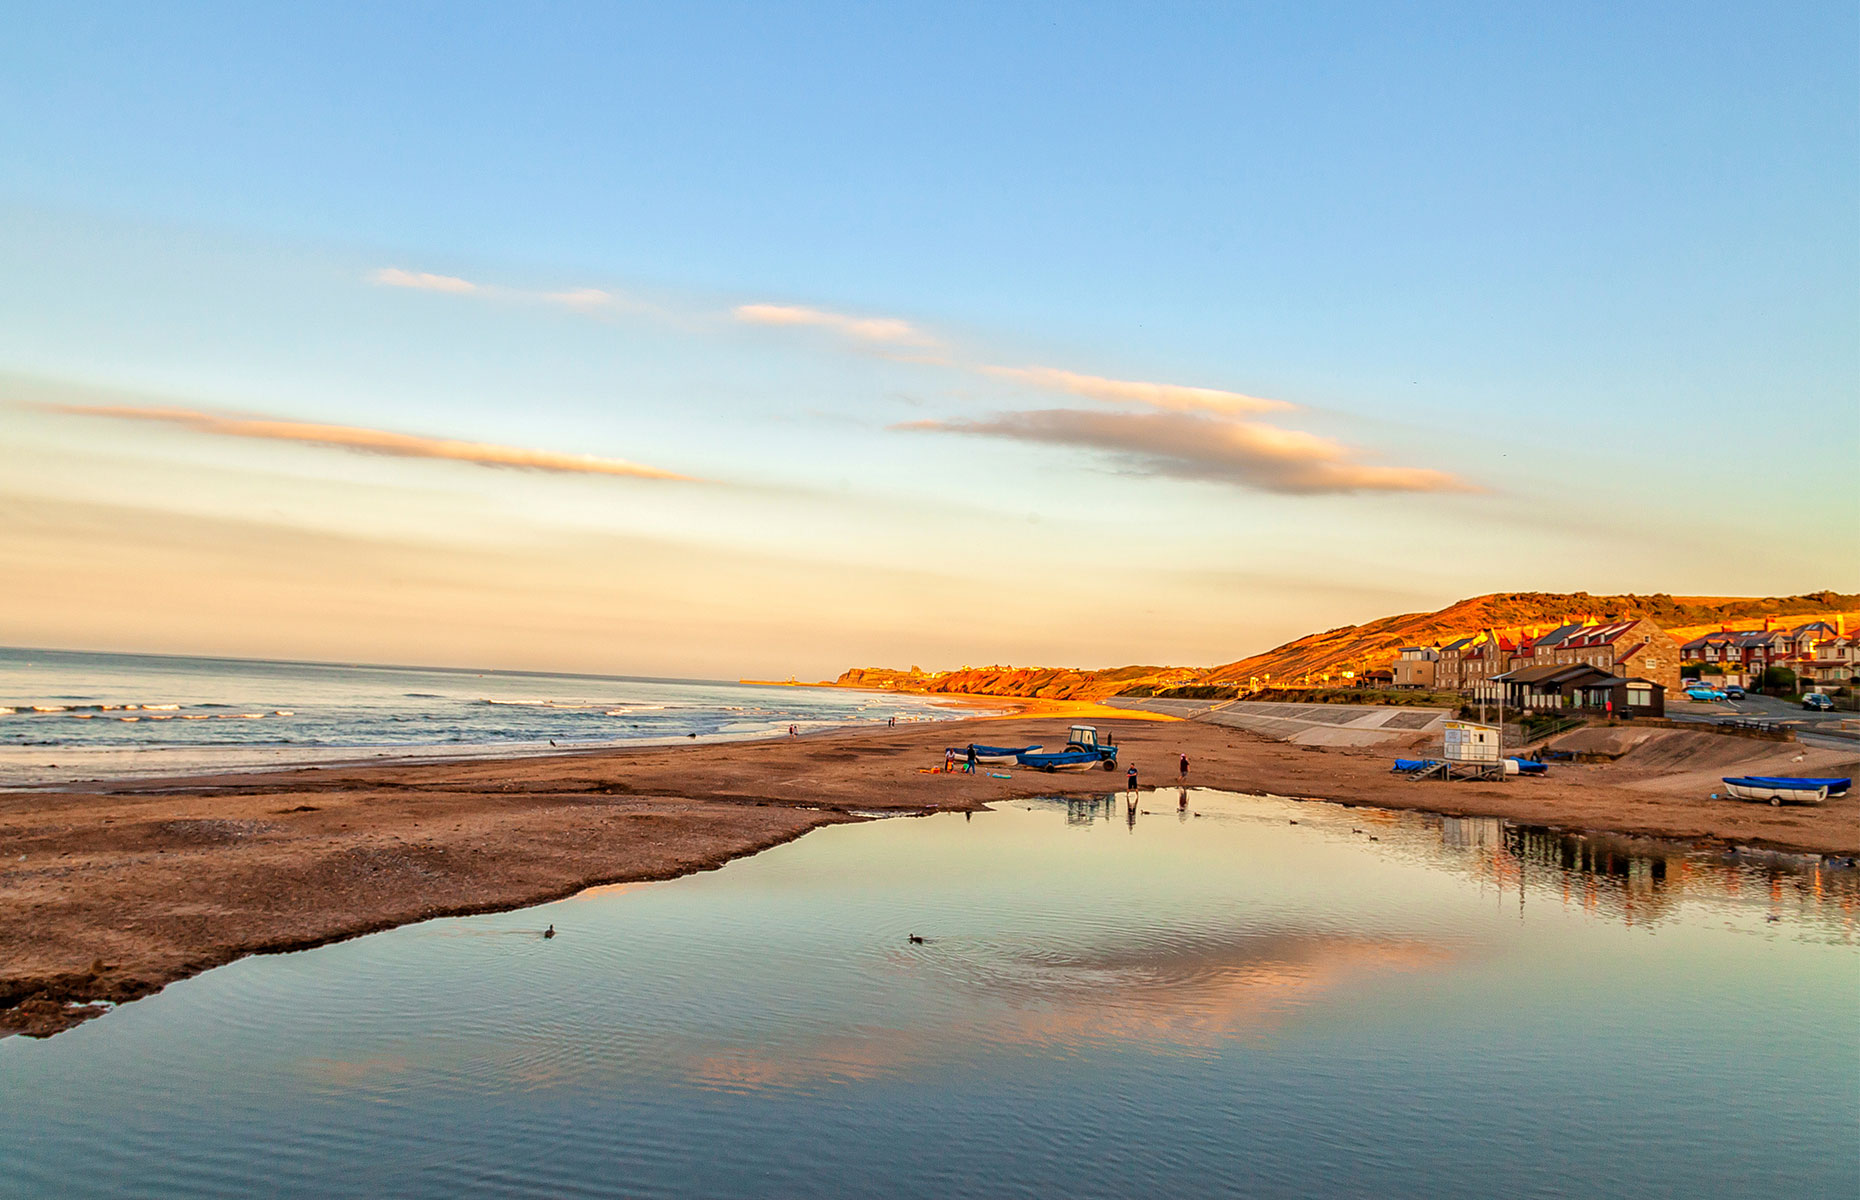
1187 998
1637 881
1641 881
1253 993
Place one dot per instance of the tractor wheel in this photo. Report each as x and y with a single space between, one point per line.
1110 764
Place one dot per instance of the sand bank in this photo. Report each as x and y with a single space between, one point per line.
110 893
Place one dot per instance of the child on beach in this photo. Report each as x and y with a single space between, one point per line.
1184 768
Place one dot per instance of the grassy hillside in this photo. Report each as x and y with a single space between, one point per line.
1374 644
1362 647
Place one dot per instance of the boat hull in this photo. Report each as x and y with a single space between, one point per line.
1771 794
995 754
1076 761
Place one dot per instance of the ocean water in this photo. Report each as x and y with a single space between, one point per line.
67 715
1249 996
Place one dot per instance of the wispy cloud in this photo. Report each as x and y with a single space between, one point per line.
586 297
373 441
582 299
1175 430
865 329
1173 397
1192 446
424 281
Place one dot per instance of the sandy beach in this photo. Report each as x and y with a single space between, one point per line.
108 893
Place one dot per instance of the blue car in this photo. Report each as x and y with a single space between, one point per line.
1704 692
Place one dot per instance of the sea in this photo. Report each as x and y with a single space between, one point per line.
70 715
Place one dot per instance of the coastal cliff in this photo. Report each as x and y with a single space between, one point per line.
1043 683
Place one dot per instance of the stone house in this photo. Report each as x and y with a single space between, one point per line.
1416 667
1467 664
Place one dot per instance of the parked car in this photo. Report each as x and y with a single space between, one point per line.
1734 692
1703 691
1818 702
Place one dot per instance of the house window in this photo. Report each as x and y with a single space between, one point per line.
1639 697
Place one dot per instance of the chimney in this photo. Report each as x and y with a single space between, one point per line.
1768 623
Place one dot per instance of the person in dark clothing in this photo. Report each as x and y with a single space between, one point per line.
1184 768
970 768
1131 779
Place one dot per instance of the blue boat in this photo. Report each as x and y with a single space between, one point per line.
1409 766
1530 766
1778 789
993 754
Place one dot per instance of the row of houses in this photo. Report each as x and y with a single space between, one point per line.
1469 664
1607 666
1819 652
1619 666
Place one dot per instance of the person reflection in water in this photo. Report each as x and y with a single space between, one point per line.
1130 811
1181 803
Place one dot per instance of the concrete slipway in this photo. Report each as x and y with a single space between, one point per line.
1302 724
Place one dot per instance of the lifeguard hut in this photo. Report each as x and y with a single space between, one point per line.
1473 750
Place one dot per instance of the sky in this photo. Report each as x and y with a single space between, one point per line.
768 340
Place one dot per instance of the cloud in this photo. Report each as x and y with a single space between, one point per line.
1172 397
373 441
581 299
865 329
1192 446
395 277
586 297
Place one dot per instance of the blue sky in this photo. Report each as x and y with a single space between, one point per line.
1560 285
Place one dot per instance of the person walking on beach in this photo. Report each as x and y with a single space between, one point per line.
970 765
1184 770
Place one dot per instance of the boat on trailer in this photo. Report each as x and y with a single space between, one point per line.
994 754
1784 789
1062 760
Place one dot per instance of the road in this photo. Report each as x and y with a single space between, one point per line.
1814 728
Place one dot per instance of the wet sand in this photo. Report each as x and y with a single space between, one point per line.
108 893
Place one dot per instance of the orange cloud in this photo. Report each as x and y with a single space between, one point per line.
1191 446
865 329
1172 397
374 441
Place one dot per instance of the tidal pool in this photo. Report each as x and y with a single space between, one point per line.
1254 997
